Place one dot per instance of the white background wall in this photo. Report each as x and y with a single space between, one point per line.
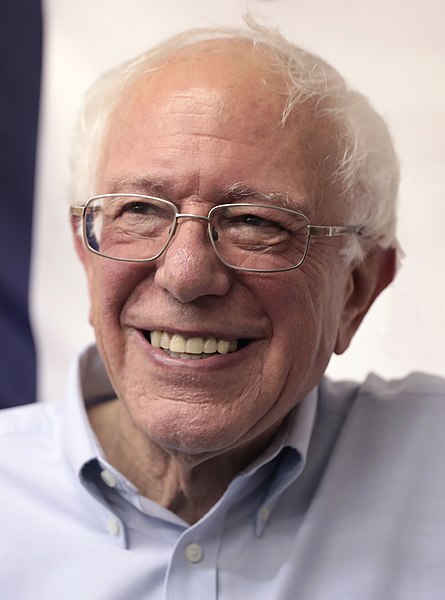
391 50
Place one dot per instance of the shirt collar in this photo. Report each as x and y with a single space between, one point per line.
88 384
300 424
290 448
295 434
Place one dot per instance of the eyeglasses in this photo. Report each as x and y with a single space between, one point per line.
246 237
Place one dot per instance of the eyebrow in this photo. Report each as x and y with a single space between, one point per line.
237 192
140 185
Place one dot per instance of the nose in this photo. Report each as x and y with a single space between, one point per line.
189 268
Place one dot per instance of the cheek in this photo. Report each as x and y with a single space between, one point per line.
293 303
325 294
304 311
111 285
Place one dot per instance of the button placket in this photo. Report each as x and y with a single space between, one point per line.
193 570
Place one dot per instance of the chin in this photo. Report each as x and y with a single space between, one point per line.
190 434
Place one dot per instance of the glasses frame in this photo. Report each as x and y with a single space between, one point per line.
312 230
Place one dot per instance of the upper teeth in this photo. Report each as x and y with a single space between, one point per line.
193 345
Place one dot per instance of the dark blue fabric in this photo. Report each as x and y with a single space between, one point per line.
20 70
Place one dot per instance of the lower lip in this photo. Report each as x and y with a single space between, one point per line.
213 362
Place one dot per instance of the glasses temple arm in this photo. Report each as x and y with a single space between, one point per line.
332 230
76 211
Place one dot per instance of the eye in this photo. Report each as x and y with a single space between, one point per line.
254 224
255 221
143 211
138 208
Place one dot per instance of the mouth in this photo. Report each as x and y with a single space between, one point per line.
192 348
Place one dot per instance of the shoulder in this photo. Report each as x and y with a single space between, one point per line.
398 415
381 486
28 419
32 461
395 414
415 385
25 430
417 397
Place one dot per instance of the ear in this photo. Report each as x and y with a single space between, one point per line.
83 254
367 280
79 245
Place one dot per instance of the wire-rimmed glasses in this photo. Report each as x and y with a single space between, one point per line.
248 237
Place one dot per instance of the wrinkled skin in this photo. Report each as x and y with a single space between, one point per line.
191 130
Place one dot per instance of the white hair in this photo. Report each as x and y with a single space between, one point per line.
363 171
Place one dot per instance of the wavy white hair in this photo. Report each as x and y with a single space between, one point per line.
360 169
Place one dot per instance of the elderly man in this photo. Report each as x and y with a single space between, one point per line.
233 207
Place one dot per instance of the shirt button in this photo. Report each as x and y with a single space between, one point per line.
193 553
264 514
114 527
108 478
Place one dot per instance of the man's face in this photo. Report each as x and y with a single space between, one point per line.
188 133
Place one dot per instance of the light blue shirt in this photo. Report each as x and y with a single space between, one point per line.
347 503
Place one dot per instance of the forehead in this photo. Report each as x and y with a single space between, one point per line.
220 100
227 76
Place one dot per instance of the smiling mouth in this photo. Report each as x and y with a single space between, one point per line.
193 348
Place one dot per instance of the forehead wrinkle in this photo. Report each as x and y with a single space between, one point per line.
238 192
141 185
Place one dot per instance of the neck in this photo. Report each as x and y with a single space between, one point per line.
188 485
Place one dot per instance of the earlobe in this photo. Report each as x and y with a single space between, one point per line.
367 281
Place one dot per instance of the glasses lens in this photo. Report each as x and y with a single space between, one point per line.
128 227
259 238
